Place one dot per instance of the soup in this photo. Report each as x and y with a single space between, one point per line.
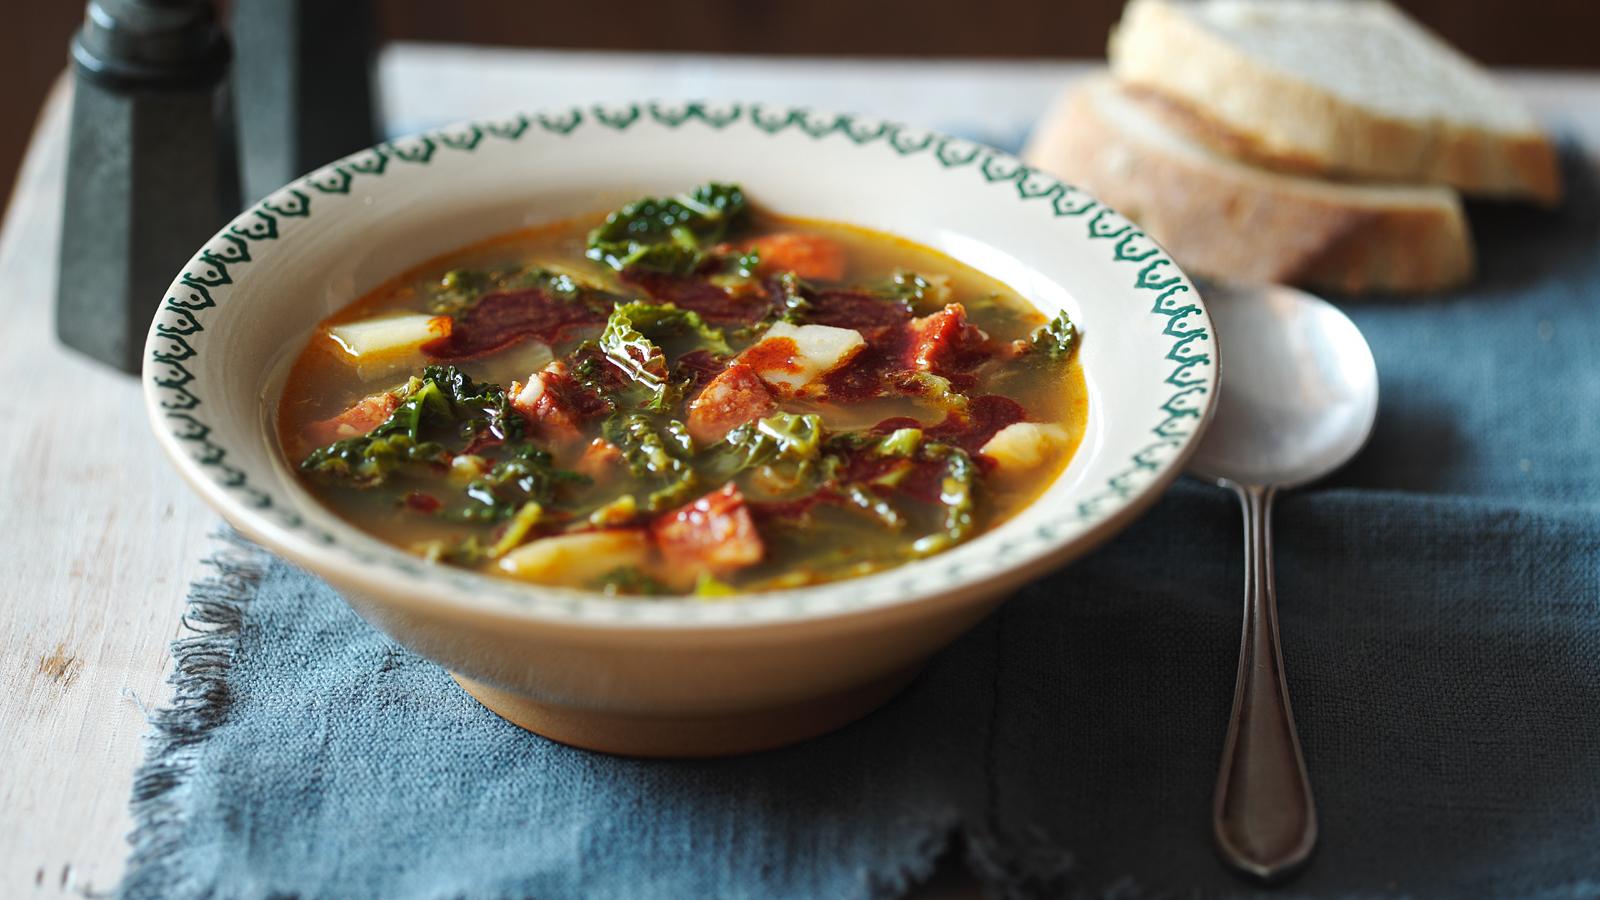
684 396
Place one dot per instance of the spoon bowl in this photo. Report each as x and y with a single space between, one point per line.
1299 393
1298 399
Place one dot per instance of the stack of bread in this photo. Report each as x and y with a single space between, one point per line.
1317 142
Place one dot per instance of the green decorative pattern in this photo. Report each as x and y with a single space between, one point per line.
205 281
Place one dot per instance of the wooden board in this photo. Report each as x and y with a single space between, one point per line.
100 539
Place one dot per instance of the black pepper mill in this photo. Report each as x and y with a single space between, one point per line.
151 172
303 83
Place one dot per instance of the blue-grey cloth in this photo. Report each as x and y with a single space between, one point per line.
1440 604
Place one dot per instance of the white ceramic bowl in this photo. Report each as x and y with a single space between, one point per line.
675 677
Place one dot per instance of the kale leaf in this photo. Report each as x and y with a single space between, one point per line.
660 320
795 305
629 580
874 505
901 442
659 455
935 392
906 448
668 234
515 531
737 272
637 357
443 400
458 290
523 480
958 493
918 290
782 437
831 463
629 343
481 411
748 263
1057 339
368 460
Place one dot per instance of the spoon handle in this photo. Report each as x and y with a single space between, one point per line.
1263 815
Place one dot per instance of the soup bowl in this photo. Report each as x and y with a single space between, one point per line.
674 677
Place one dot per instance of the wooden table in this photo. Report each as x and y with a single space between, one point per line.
100 538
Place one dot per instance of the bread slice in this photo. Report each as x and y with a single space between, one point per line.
1222 218
1343 87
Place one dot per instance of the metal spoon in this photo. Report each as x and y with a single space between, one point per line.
1298 398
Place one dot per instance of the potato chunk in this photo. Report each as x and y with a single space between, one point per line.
790 357
578 559
382 346
1023 446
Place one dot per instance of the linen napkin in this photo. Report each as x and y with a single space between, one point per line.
1440 611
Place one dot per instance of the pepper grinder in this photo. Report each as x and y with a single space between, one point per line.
151 172
303 83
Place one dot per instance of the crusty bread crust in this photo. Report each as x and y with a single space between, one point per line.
1260 113
1223 219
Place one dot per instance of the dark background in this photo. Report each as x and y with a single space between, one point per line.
1530 33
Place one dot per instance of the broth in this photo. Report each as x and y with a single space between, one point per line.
685 396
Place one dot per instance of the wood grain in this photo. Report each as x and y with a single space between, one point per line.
101 539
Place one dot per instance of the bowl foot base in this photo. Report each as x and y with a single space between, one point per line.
671 736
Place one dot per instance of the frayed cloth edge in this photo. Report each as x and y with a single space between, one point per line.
931 846
201 659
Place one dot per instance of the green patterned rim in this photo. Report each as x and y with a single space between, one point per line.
176 394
